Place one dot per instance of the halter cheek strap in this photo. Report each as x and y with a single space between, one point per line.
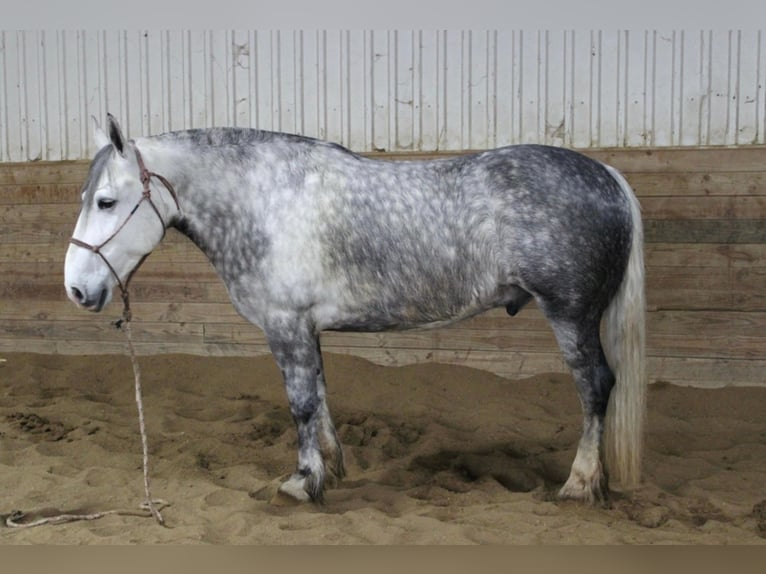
146 179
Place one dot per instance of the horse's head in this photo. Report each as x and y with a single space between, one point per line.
120 221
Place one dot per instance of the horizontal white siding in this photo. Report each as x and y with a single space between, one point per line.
386 90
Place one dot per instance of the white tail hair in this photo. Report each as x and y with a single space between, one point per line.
624 346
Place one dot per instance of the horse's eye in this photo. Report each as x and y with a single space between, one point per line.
106 203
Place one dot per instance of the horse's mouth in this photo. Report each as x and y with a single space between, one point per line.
99 304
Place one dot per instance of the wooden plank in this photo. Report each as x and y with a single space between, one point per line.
698 299
707 373
707 323
698 288
33 192
26 233
704 207
707 334
158 272
711 255
74 347
705 231
100 330
694 184
710 347
662 279
751 292
684 159
44 172
178 312
158 292
33 230
17 253
39 214
175 248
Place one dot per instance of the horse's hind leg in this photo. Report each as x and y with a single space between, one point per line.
329 444
296 350
581 346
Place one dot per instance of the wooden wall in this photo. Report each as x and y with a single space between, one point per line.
705 219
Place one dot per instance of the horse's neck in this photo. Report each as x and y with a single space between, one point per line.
201 215
165 158
173 162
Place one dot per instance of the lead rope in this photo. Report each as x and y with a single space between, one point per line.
150 505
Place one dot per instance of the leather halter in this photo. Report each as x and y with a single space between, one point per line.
146 178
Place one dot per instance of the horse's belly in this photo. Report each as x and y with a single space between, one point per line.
420 305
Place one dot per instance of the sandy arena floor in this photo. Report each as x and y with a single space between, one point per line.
435 455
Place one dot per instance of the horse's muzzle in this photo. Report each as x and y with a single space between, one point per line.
91 302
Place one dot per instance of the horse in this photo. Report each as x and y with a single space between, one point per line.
309 236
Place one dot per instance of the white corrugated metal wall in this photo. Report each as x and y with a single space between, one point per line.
389 90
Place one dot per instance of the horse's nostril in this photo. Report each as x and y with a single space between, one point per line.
77 294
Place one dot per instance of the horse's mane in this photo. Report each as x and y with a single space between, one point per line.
243 138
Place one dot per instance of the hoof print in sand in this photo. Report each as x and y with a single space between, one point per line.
38 427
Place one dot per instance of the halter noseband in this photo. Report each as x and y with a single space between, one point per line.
146 179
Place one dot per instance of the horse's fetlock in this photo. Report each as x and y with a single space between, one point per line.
588 490
315 487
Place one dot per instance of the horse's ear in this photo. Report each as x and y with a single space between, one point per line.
115 135
99 136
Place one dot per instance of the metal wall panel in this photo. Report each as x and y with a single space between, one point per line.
397 90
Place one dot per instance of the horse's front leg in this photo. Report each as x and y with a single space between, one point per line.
295 347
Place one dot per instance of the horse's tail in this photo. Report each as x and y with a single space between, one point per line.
624 346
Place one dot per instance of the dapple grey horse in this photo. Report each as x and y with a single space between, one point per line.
310 237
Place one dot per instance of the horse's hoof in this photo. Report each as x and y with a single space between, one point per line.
292 491
587 492
281 498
